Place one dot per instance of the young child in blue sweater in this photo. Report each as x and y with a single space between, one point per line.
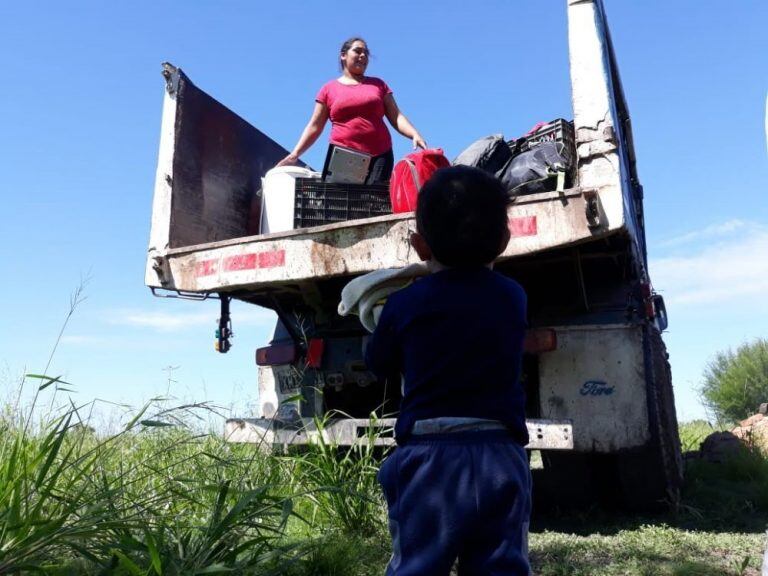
458 484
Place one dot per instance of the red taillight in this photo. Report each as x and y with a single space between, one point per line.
315 352
646 291
540 340
276 354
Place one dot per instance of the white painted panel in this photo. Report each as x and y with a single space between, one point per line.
594 115
268 400
161 203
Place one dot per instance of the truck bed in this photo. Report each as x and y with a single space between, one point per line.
206 208
539 222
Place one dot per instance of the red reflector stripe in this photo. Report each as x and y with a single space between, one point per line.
271 259
315 352
205 268
540 340
524 226
241 262
277 354
252 261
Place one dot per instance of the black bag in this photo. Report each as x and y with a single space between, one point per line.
491 154
542 168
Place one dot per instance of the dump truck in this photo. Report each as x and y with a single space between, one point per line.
600 402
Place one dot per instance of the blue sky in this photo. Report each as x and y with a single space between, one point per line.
80 104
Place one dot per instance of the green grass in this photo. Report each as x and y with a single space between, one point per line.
162 497
342 554
154 498
733 493
692 434
647 550
159 497
341 483
719 528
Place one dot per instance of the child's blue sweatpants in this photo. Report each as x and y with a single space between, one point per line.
464 495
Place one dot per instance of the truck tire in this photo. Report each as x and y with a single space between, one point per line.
651 477
574 481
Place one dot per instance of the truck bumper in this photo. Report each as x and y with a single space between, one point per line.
544 434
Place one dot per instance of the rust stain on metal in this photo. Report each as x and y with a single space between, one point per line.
184 273
324 259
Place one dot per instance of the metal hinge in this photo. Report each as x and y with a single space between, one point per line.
592 209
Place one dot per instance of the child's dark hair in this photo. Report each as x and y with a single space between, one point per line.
462 214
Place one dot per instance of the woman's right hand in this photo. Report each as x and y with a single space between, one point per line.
290 160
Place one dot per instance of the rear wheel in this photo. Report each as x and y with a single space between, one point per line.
653 476
574 481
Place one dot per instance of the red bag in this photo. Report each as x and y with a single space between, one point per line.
410 174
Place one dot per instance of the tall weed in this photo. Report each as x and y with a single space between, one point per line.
342 481
692 434
155 497
151 499
36 514
732 492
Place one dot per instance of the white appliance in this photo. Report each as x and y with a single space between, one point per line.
278 197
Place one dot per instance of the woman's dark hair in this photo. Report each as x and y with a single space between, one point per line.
348 44
462 214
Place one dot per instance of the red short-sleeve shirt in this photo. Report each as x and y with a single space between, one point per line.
357 114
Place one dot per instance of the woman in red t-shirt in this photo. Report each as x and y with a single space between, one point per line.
356 105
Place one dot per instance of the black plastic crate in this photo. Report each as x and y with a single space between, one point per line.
555 131
319 202
561 131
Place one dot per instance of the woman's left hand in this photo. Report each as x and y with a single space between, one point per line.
418 142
